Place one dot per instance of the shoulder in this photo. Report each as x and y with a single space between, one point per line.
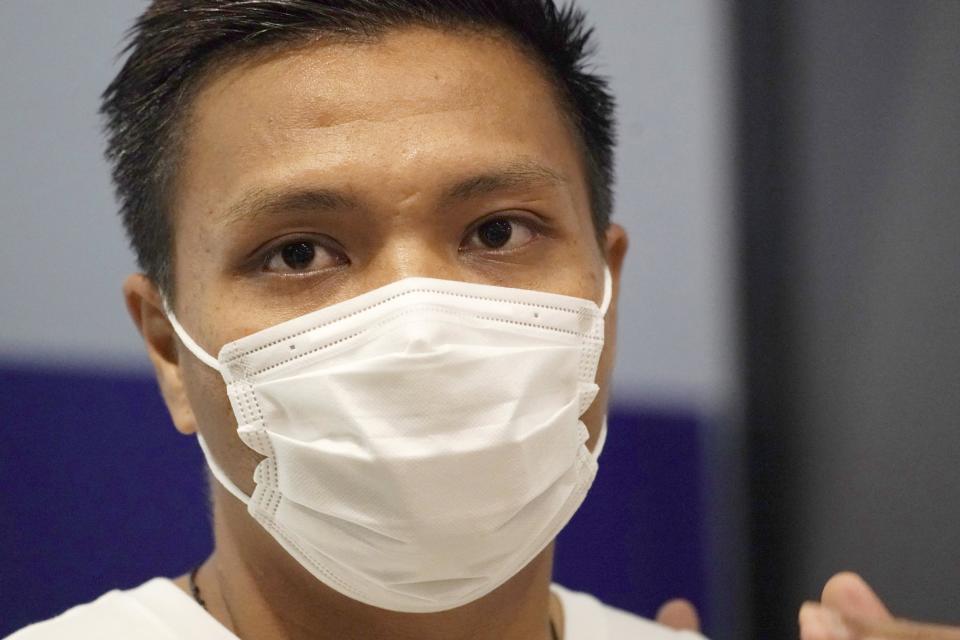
586 618
156 610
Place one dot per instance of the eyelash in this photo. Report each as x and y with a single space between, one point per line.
537 229
274 251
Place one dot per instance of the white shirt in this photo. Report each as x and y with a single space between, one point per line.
159 610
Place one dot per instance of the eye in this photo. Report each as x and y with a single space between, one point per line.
499 234
301 257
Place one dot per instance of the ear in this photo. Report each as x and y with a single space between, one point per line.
145 305
616 244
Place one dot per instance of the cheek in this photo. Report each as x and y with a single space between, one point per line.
208 397
218 426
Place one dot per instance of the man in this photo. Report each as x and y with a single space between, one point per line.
380 286
277 160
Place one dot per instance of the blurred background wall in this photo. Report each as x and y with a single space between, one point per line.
849 139
99 490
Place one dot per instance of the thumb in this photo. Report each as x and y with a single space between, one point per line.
680 615
848 594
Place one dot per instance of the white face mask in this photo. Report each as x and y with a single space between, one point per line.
423 441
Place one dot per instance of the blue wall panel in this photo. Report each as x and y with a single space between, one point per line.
639 539
99 491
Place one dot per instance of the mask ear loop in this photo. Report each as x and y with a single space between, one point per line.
219 474
607 291
212 362
604 306
189 342
601 440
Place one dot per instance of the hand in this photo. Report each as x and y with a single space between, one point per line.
850 610
680 615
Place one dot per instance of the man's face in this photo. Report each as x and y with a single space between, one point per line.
313 175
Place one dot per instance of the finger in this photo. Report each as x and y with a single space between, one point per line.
680 615
848 593
811 627
902 630
820 623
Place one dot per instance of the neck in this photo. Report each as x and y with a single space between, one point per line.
252 586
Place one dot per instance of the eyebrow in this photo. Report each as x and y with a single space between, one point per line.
261 202
520 174
524 174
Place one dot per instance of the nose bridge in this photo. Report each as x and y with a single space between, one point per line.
408 255
415 240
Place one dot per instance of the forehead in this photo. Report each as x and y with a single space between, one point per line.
399 74
409 99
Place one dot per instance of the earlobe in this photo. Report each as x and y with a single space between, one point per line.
145 306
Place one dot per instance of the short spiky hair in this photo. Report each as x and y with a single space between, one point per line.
175 42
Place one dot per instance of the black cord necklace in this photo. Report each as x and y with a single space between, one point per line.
195 591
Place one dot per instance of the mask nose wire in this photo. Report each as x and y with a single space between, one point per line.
201 354
189 342
607 291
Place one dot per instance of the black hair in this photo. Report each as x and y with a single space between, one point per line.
175 42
